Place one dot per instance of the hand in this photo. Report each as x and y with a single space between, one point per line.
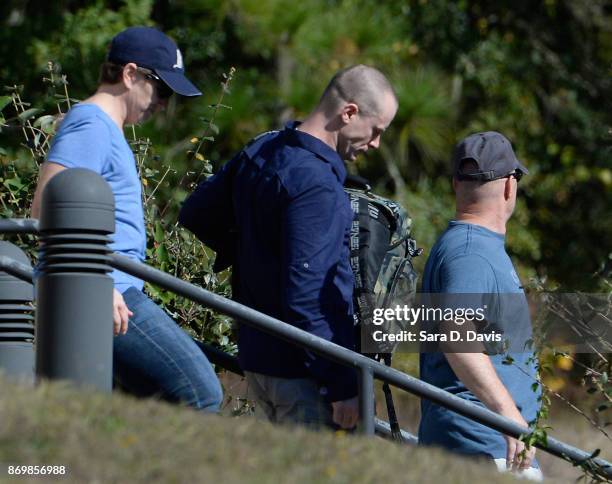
514 461
346 413
121 313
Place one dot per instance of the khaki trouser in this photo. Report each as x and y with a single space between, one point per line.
289 400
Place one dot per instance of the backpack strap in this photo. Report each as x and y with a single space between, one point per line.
253 146
396 432
357 182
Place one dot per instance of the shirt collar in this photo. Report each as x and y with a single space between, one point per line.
316 146
496 235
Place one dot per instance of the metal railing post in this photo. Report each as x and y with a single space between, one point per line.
366 400
16 320
74 318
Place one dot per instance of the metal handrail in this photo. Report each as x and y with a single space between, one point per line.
18 226
368 368
343 355
16 269
214 354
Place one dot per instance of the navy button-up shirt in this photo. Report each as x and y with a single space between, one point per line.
279 213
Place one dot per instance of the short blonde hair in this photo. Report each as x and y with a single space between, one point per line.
359 84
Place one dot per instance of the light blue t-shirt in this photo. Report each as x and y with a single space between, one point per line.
470 259
89 138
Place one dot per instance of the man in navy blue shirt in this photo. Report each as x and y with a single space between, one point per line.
470 259
278 213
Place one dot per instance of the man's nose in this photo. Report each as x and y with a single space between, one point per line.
375 143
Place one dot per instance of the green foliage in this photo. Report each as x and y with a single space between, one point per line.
84 37
539 73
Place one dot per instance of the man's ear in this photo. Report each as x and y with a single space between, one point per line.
129 77
508 188
349 110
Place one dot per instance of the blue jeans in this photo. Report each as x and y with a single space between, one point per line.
156 357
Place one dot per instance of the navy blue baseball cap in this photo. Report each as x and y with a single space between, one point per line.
150 48
492 153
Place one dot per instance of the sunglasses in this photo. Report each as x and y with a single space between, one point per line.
163 91
517 174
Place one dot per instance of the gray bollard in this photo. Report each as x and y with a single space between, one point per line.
74 293
16 320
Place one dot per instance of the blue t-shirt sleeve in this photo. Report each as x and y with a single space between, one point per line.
82 141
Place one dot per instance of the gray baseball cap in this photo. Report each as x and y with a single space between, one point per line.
493 154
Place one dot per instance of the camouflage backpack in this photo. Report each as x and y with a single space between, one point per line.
381 258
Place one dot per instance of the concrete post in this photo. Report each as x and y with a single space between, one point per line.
74 317
16 320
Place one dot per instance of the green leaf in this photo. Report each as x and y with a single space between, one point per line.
39 122
167 297
28 114
162 253
159 233
46 123
14 183
4 101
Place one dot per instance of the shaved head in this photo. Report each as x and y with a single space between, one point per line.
471 192
362 85
488 199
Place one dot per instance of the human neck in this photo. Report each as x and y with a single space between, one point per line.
493 221
317 125
111 102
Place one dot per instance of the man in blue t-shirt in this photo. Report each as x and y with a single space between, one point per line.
470 259
151 354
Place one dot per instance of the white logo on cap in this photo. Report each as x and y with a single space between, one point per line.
179 60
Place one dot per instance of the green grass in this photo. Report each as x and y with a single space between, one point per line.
102 438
